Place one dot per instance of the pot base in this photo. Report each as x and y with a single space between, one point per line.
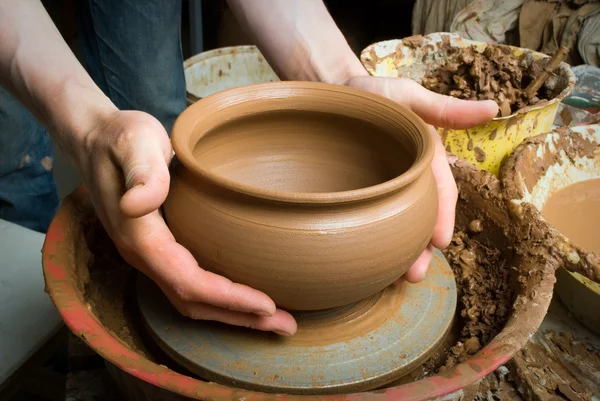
358 347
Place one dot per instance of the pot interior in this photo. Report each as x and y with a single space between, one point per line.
305 151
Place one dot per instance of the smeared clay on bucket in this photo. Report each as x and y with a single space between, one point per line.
317 195
481 256
543 165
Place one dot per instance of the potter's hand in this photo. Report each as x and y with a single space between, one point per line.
122 157
124 166
440 111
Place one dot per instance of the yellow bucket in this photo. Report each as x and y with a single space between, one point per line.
486 145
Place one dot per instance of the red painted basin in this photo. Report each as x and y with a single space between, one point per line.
59 270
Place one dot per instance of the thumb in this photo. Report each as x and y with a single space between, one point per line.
144 163
435 109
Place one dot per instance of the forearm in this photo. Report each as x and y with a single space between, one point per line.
299 39
38 67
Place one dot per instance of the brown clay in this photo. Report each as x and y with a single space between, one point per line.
485 294
541 165
569 367
575 212
103 281
496 74
317 195
481 256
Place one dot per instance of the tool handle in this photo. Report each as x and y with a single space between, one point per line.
553 64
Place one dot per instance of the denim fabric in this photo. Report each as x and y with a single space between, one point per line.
27 190
132 50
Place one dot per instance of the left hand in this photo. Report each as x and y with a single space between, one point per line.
440 111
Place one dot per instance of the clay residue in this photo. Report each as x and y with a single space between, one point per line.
414 42
483 256
46 163
25 160
496 74
529 165
497 386
556 366
484 290
106 283
534 156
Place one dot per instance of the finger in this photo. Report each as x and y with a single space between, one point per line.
418 270
433 108
143 156
147 244
281 322
176 271
447 195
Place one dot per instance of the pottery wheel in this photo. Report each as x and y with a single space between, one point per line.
354 348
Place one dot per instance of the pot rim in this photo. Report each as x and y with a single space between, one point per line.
193 115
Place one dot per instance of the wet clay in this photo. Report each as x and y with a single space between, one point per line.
333 351
102 286
105 281
539 167
318 195
495 74
485 294
481 255
575 212
556 366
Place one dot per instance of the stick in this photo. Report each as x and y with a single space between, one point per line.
554 62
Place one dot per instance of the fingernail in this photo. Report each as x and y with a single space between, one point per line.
282 333
263 313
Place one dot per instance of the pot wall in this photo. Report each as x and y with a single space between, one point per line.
306 257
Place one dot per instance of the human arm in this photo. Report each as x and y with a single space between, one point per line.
123 159
301 41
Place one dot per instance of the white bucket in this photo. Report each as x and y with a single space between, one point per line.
228 67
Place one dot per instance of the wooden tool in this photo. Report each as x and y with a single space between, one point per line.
553 64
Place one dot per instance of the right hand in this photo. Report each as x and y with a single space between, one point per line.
124 165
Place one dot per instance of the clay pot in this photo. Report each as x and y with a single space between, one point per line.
318 195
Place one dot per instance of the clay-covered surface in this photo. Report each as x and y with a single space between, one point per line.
543 165
449 64
486 145
90 286
561 362
555 365
359 347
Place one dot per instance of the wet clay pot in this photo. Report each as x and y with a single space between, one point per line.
318 195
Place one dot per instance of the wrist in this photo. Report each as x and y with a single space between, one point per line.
338 70
79 107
